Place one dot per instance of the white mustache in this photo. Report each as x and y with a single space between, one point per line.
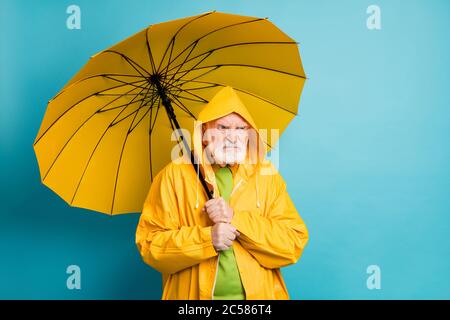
231 145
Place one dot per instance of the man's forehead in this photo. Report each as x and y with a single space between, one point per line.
232 118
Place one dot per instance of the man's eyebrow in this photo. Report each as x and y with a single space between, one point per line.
245 125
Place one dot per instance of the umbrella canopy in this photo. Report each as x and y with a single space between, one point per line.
109 131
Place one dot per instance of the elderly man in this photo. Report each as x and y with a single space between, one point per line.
233 246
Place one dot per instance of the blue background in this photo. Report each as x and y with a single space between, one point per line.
366 161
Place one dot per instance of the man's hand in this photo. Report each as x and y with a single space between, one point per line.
223 235
218 210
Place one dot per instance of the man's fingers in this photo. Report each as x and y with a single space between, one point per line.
207 209
211 202
234 230
215 203
228 243
213 217
231 236
214 206
214 212
217 209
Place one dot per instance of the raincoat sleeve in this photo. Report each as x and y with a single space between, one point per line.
278 238
162 242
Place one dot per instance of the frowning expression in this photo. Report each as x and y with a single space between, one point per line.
226 139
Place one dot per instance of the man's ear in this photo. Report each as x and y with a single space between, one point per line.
204 141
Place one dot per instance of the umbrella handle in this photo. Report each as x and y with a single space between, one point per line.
193 158
172 118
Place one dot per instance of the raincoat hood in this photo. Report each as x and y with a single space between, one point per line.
225 102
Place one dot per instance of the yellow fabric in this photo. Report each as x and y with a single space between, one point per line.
94 148
174 236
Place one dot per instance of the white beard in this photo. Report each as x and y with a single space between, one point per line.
229 155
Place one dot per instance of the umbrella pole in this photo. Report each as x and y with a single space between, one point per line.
172 117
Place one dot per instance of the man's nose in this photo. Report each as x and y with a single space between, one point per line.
232 136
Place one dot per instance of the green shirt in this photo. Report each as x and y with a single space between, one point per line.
228 280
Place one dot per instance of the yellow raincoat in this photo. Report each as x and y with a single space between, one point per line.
174 235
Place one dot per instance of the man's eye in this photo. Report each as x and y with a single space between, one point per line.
221 127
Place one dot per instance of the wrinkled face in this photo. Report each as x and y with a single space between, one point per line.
226 139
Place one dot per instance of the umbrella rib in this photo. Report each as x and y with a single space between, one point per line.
209 52
156 116
246 92
119 94
176 33
213 68
90 77
95 148
167 67
130 114
130 61
142 104
243 65
204 58
150 136
75 132
211 32
121 152
149 50
119 106
183 107
199 88
197 96
170 56
190 99
148 109
120 81
150 141
142 101
74 105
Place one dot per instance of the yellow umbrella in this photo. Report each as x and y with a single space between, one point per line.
108 132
